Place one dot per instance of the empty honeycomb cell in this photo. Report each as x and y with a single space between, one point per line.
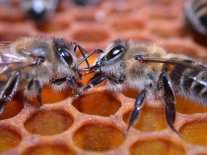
185 106
137 35
132 93
12 16
98 137
195 132
160 14
181 47
151 119
9 138
49 122
122 7
156 146
167 30
12 36
46 149
13 107
89 15
51 96
53 26
90 35
97 103
127 24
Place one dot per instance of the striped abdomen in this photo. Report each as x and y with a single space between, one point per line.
191 82
200 9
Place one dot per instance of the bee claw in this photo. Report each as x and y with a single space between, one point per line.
42 108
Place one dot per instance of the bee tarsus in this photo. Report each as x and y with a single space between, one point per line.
9 90
137 107
164 82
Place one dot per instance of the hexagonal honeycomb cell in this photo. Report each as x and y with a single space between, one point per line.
96 122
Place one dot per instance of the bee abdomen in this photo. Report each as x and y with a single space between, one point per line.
193 85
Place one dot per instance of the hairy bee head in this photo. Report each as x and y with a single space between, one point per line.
112 54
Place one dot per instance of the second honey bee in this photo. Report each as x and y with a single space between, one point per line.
29 63
148 68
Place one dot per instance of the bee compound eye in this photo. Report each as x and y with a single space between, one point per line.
115 51
203 20
65 55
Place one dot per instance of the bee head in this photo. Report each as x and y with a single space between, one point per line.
110 57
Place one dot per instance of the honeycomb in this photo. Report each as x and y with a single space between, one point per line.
96 122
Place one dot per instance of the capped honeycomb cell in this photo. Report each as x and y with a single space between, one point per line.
48 122
98 137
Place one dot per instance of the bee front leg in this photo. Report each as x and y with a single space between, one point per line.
165 83
71 81
37 86
137 108
9 90
96 80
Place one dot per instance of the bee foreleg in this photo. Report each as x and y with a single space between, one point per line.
72 83
97 79
58 81
83 52
169 99
137 107
9 90
35 83
87 55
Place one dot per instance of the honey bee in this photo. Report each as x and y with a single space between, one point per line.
29 63
147 67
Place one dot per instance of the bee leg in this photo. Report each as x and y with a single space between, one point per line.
38 88
71 81
83 52
87 55
169 99
138 105
96 80
58 81
9 90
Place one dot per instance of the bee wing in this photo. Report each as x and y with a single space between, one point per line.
202 65
10 61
